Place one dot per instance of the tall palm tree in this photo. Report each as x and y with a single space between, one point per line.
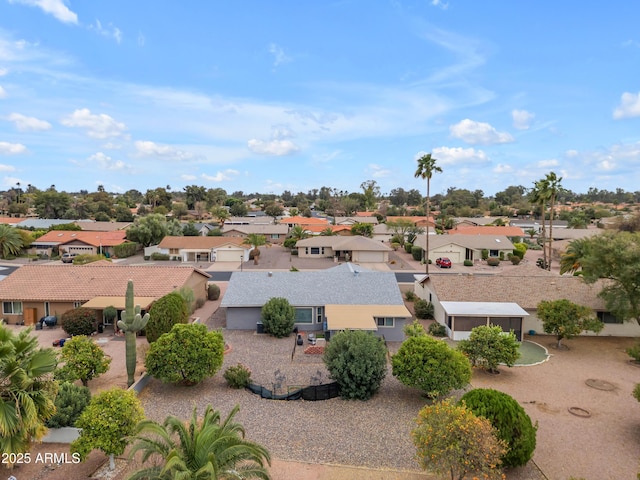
298 232
538 196
426 167
553 187
27 390
206 450
256 241
10 241
571 259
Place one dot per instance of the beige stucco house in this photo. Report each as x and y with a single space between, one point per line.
354 248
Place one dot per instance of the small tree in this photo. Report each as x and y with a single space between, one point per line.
213 291
166 312
278 317
512 424
490 346
79 321
362 229
452 442
109 314
107 422
188 354
414 329
83 360
430 365
357 361
256 241
423 309
417 253
72 399
565 319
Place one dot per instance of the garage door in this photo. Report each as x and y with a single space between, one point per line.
228 255
369 257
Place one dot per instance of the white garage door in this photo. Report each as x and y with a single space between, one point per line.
228 255
369 257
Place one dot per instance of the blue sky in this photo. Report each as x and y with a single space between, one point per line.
287 95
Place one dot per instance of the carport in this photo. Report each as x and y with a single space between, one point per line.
461 317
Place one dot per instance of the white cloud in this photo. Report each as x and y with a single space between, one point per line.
571 153
279 57
629 106
458 156
501 168
105 162
276 148
220 176
440 3
97 126
110 31
376 171
7 148
151 149
24 123
548 163
188 178
522 119
7 168
473 132
3 72
3 92
57 8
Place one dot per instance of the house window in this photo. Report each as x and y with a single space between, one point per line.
12 308
319 314
493 253
47 309
607 317
304 315
275 236
77 304
315 250
385 321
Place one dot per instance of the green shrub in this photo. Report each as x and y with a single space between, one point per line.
636 392
493 261
159 256
520 249
423 309
414 329
88 258
294 251
166 312
501 255
71 401
213 291
237 376
468 263
289 242
515 259
79 321
512 423
187 354
357 361
485 254
124 250
410 296
437 330
278 317
109 314
430 365
416 252
200 303
189 298
489 346
408 246
83 360
634 352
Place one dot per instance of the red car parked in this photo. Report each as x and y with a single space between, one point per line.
443 262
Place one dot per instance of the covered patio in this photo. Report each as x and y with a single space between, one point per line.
461 317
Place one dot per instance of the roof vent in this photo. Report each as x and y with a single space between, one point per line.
270 274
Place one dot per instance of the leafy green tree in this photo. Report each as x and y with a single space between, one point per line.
187 354
202 449
164 313
349 205
149 230
10 242
423 309
431 366
403 227
72 399
614 256
190 230
194 194
489 346
362 229
238 209
357 361
83 360
512 424
565 319
414 329
256 241
278 317
453 442
79 321
28 390
107 422
179 210
426 168
51 204
220 213
274 210
123 214
371 193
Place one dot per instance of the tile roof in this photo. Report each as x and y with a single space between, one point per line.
198 242
321 228
298 220
474 242
487 230
91 226
525 290
83 282
280 229
60 237
344 242
345 285
10 220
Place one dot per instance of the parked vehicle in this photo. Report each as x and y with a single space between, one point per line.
443 262
68 257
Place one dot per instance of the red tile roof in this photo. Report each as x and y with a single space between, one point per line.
106 239
487 230
305 221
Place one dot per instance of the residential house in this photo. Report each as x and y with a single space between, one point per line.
41 223
249 220
305 221
93 226
532 223
205 249
459 248
34 291
507 231
417 221
353 220
479 221
78 242
336 229
355 248
274 233
346 297
462 302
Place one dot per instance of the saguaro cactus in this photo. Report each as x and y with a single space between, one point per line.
131 323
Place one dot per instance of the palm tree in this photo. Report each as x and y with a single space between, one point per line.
27 390
426 167
328 232
256 241
571 259
298 232
538 196
10 241
206 450
553 187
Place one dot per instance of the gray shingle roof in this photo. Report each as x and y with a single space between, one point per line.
346 285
